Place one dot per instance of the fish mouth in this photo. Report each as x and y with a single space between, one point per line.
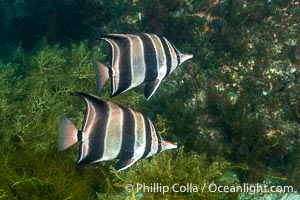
173 146
189 56
169 145
185 57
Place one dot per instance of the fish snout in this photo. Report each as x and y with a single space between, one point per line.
185 57
168 145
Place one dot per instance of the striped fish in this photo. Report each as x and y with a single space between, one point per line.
137 59
111 131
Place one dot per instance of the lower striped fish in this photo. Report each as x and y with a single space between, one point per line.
111 131
137 59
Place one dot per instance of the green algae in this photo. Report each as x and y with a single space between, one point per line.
31 168
165 170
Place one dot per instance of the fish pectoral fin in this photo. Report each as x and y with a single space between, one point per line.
102 74
151 87
124 164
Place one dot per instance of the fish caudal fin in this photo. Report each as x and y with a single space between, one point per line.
102 74
151 87
67 133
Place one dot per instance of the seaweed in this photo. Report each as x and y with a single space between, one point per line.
148 178
30 109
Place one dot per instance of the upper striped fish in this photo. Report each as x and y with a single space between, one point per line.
111 131
137 59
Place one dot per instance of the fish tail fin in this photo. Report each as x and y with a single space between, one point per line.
67 133
102 74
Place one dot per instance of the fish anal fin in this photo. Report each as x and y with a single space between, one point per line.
124 164
151 87
102 74
67 133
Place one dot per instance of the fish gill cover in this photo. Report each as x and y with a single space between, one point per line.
234 108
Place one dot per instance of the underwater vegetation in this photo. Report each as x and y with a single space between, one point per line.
234 109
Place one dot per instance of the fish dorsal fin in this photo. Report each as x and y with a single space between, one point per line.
151 87
102 74
115 37
97 103
124 164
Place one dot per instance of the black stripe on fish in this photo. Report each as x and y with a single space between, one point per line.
128 135
150 58
148 137
79 135
159 141
154 144
168 55
177 54
124 63
161 57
